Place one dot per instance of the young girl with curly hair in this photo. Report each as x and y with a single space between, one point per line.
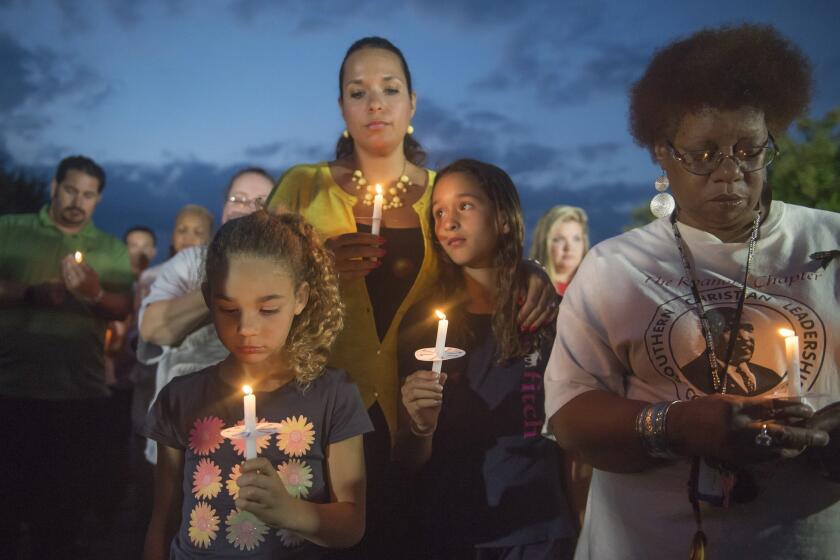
273 297
488 484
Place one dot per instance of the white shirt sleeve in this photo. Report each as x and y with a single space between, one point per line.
582 358
177 277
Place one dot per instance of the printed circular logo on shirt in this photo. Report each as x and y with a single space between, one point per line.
758 366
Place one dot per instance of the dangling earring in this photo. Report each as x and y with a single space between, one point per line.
410 129
345 133
663 203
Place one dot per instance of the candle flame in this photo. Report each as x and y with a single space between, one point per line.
440 314
79 257
786 332
378 189
247 389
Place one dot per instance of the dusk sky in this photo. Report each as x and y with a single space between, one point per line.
173 96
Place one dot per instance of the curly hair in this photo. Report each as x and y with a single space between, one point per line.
344 147
511 281
291 241
539 245
725 68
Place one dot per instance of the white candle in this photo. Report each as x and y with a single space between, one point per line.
79 257
440 342
377 211
792 362
250 422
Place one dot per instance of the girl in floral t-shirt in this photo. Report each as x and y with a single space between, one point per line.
273 298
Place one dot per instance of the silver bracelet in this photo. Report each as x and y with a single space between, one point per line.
418 433
651 427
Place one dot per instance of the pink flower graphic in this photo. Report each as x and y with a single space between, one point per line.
232 486
296 476
207 479
203 525
206 435
296 436
239 444
244 530
289 539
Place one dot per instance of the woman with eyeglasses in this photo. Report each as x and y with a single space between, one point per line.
670 374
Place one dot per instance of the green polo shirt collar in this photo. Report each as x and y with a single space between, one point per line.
46 221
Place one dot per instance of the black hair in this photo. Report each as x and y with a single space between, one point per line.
83 164
144 229
411 147
724 68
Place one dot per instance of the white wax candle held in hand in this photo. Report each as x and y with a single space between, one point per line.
440 342
792 362
250 422
377 211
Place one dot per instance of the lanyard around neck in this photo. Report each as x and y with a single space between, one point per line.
718 376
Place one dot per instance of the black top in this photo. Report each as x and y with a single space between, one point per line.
389 284
492 479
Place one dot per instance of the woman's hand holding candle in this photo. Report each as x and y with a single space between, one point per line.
356 254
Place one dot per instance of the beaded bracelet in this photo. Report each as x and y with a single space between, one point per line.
651 425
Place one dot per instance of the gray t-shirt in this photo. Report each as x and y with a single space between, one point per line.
190 413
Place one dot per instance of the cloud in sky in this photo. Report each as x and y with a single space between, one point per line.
35 81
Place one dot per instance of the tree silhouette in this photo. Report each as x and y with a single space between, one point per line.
20 192
807 171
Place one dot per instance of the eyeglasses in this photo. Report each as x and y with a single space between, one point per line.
748 158
255 203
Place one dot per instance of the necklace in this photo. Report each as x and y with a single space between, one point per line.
718 376
727 476
390 198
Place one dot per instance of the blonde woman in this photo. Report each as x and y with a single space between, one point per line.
560 242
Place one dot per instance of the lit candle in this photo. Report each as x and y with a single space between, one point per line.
250 422
377 211
792 361
440 342
78 257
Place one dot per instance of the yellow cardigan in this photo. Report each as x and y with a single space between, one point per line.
311 191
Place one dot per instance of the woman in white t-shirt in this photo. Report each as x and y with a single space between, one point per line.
668 368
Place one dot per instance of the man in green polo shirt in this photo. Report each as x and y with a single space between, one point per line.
61 281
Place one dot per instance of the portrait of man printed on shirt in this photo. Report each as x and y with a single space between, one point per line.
743 376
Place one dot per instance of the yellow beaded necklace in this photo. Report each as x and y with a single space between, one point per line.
390 197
